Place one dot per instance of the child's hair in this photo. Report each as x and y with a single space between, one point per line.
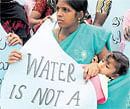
122 61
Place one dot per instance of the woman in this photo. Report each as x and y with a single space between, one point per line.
80 41
14 19
40 12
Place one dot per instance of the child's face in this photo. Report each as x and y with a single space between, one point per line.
107 67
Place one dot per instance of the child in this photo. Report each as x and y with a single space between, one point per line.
112 66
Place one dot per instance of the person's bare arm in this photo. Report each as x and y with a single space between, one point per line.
99 19
103 53
92 69
102 11
34 18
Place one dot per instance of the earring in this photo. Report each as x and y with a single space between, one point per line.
79 20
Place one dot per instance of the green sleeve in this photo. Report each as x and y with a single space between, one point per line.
101 38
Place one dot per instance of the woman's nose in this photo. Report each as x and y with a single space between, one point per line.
59 12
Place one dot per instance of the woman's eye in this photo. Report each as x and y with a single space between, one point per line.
65 10
57 8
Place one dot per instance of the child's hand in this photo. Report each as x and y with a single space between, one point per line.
14 56
91 70
14 39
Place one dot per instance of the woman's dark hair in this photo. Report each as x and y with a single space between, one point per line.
122 62
78 5
6 1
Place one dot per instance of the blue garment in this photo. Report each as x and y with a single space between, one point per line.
119 89
118 93
81 45
85 42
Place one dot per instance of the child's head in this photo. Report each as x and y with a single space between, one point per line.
114 65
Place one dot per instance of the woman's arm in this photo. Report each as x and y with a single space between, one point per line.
103 53
38 9
92 69
102 11
99 19
34 18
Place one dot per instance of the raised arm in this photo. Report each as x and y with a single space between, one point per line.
102 11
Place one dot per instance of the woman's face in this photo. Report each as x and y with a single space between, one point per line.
66 15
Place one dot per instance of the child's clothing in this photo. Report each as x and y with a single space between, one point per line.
100 83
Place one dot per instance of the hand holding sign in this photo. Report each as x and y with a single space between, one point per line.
42 80
5 50
14 39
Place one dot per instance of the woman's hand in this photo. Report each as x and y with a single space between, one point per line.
14 39
40 21
44 19
126 33
91 70
14 56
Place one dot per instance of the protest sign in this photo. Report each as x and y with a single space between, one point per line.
4 52
114 20
46 78
118 89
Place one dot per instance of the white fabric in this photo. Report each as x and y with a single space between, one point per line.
104 83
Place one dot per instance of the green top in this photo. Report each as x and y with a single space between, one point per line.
85 42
